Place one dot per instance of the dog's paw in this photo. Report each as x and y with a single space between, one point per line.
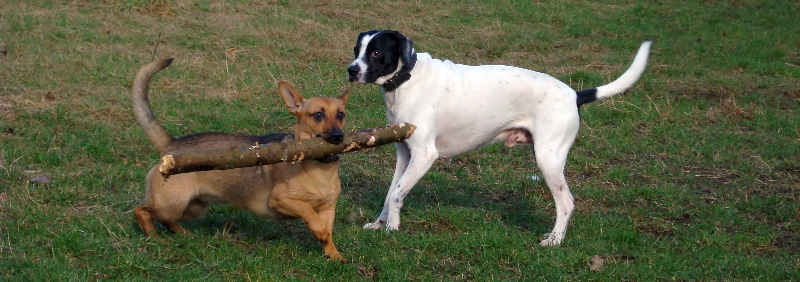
377 225
336 256
392 225
389 228
552 240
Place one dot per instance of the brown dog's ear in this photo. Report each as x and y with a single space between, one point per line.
292 98
345 95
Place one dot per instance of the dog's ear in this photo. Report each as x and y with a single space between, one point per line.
292 98
406 48
345 95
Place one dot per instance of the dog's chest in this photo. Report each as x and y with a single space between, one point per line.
316 183
388 100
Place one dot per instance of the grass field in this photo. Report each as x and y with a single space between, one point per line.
691 175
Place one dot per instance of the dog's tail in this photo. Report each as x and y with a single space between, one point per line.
625 81
141 106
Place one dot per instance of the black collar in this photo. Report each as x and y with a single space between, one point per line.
328 159
403 75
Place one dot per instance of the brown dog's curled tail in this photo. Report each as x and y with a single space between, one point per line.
141 106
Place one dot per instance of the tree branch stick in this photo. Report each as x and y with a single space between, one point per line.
288 151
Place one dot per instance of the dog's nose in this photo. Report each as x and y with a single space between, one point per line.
335 137
353 72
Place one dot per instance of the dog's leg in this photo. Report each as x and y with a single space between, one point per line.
403 156
551 161
176 228
422 158
315 222
145 221
330 249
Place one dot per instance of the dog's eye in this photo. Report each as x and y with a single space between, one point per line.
340 116
375 53
318 116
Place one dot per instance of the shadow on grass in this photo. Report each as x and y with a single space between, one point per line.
228 223
444 202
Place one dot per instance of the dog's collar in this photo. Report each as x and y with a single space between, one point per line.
403 75
328 159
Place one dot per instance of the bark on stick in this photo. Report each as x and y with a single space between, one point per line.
287 151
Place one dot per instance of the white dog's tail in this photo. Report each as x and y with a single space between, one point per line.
625 81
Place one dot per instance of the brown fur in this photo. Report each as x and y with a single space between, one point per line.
307 189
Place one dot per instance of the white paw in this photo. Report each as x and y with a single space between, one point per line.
392 227
374 225
392 223
552 240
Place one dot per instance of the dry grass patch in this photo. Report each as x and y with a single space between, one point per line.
730 110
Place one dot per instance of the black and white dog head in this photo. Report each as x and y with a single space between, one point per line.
379 55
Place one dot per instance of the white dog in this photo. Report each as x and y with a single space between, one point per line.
458 108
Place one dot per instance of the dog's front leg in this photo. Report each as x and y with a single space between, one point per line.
328 216
322 229
403 156
422 159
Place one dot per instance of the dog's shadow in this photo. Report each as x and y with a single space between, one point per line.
227 221
516 194
223 222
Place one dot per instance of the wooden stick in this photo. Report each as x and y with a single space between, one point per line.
287 151
156 48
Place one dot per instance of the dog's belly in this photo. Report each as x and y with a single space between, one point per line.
246 188
468 138
450 147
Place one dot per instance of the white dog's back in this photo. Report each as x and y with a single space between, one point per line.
469 106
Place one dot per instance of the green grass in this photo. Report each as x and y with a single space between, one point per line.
691 175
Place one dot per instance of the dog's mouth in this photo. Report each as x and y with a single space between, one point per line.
356 78
328 159
354 73
334 137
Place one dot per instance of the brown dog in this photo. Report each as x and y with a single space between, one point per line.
307 189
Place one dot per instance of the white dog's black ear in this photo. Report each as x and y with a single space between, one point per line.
406 49
357 48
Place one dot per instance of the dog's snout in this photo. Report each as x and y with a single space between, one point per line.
352 72
336 136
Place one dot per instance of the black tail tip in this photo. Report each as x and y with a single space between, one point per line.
162 64
586 96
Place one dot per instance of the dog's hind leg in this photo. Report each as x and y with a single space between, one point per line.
551 157
403 157
176 228
145 221
552 167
